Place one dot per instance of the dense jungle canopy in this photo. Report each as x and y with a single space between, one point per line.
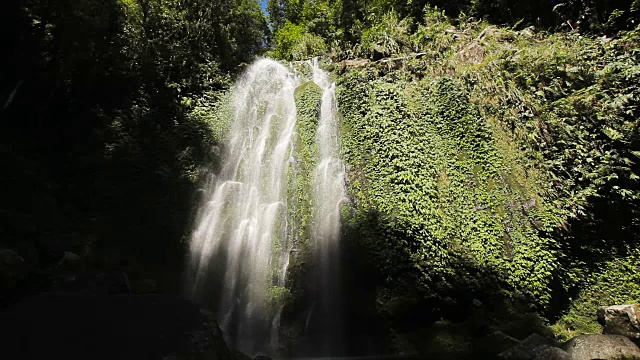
492 147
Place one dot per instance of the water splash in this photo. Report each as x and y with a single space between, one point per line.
328 194
241 229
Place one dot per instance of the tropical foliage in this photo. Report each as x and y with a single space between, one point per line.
492 147
497 156
100 130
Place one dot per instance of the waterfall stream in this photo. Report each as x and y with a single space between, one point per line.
241 241
240 233
328 190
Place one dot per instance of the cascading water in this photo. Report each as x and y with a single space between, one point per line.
328 183
329 193
241 229
240 246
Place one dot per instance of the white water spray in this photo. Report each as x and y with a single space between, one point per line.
239 249
328 183
329 194
241 229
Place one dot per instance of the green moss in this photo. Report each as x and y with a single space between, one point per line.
430 164
506 151
617 282
308 97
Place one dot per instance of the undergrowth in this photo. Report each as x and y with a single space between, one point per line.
511 152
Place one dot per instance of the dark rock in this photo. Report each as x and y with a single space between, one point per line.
587 347
69 256
494 343
620 320
102 283
552 353
518 319
56 326
143 286
10 257
112 282
528 348
446 340
261 357
12 268
241 356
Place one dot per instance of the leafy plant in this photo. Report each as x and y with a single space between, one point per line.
293 42
387 37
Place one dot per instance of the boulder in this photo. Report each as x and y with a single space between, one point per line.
70 256
620 320
606 347
528 348
10 257
12 269
552 353
494 343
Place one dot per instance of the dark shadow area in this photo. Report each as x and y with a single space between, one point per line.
609 231
65 326
96 150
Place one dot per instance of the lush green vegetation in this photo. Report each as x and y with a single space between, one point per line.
354 28
493 147
497 159
106 122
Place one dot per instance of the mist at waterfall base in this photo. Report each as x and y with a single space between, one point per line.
243 237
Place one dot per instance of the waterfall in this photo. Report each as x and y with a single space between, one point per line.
328 188
240 232
242 238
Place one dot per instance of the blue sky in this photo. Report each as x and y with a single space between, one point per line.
263 4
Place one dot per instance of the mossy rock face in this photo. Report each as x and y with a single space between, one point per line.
308 95
499 153
308 99
451 200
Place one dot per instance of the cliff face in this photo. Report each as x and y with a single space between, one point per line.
495 163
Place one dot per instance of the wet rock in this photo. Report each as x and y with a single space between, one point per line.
620 320
552 353
606 347
527 349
